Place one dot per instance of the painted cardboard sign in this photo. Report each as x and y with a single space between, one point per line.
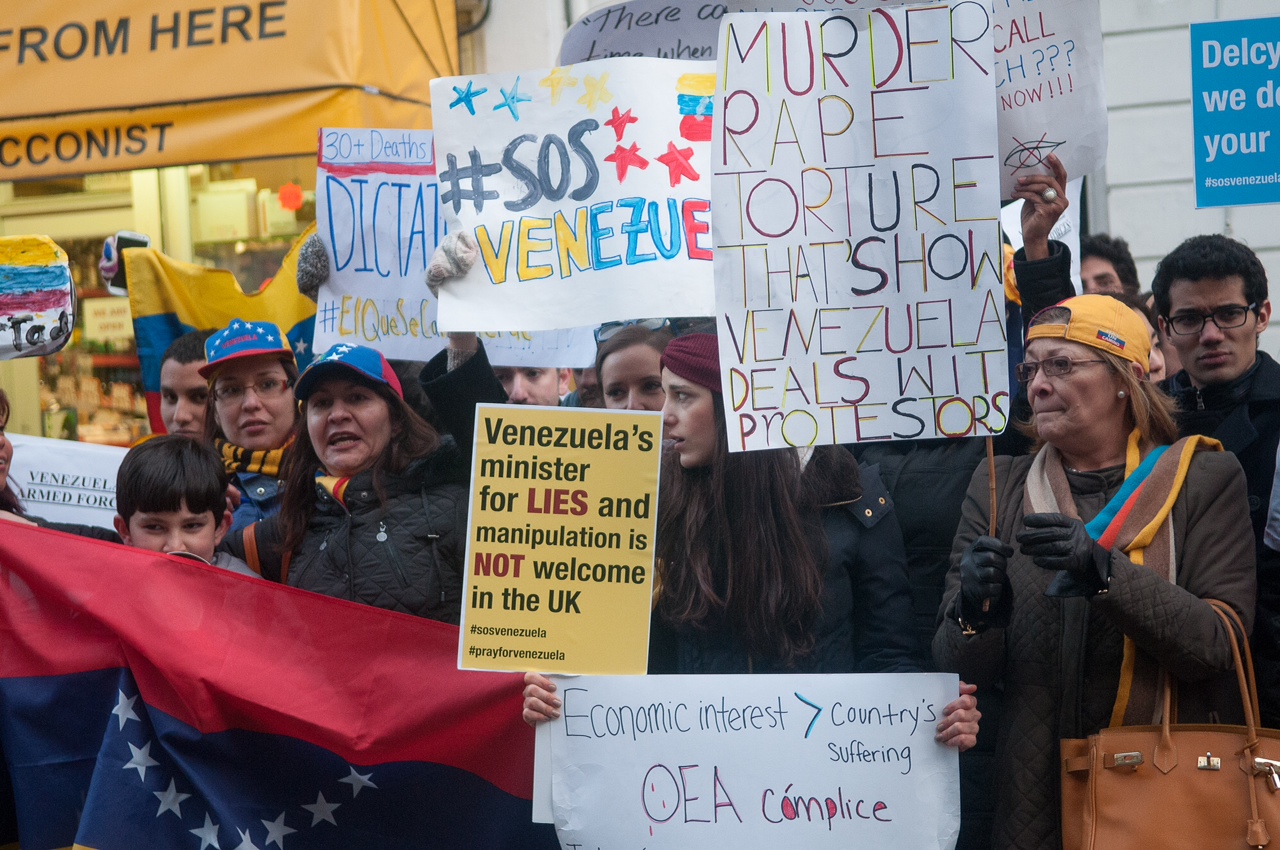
587 188
37 297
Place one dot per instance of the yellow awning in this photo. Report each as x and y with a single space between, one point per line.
108 85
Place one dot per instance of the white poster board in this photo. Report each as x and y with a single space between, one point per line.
1048 67
859 282
1066 231
65 481
587 188
835 761
377 213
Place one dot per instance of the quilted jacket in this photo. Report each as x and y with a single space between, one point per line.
1032 656
404 553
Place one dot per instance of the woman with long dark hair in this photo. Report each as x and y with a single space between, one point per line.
375 501
768 561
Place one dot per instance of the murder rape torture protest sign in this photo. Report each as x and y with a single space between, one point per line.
858 258
587 188
748 762
559 561
378 214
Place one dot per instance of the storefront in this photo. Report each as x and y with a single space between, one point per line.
196 127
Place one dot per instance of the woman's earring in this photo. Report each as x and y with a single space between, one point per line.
1120 394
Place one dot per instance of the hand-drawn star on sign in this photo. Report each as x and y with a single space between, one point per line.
466 97
557 80
677 162
624 158
511 99
597 93
619 122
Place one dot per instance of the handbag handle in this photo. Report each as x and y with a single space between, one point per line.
1258 835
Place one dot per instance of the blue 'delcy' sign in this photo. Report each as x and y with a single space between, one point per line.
1235 96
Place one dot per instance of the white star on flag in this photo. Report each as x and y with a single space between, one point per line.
246 843
358 781
237 324
276 830
270 338
321 809
141 760
208 834
170 800
124 709
343 348
300 347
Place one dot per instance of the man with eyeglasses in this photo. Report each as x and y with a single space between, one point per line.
1211 296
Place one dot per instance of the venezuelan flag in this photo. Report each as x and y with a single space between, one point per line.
147 701
169 298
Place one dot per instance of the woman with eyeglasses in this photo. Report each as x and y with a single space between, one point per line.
1108 542
251 373
374 508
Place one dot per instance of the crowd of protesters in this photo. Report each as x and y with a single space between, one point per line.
1023 573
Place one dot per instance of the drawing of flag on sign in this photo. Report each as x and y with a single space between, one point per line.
152 702
36 297
169 298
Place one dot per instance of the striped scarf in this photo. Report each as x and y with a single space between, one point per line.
1137 521
237 459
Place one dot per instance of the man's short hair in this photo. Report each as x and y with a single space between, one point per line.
1212 256
1115 251
188 348
157 476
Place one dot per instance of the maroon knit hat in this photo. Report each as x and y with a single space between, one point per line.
695 357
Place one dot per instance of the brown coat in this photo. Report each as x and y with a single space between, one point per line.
1053 648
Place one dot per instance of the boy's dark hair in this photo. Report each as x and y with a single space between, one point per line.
1211 256
1115 251
188 348
159 475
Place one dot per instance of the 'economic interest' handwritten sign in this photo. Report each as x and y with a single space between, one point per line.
564 506
836 761
1235 105
858 260
378 216
587 188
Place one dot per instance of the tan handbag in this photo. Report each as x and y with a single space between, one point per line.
1176 785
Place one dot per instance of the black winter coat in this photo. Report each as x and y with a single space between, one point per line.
1249 428
403 554
866 604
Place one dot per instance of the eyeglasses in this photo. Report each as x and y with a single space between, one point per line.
268 388
1053 367
610 329
1231 316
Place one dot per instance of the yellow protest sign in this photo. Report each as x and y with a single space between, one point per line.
564 505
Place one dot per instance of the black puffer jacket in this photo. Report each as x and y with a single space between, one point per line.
404 553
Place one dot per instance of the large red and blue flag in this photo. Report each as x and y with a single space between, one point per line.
147 701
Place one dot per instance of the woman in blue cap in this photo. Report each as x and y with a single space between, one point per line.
251 373
375 500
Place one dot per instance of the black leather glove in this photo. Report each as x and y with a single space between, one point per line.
1057 542
985 594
